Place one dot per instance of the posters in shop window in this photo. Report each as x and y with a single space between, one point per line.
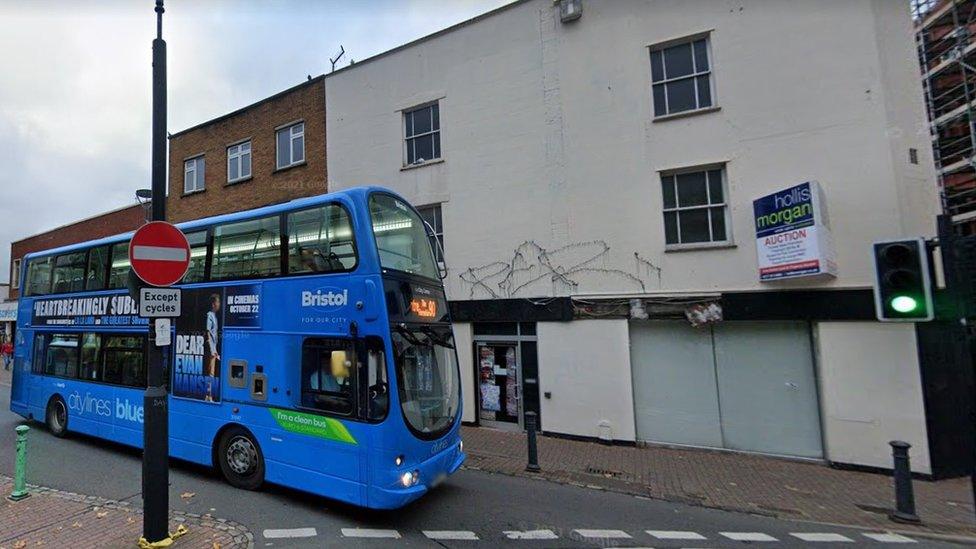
511 383
490 397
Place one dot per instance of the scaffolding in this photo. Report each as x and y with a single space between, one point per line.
945 33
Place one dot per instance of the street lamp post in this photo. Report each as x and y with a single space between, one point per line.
155 455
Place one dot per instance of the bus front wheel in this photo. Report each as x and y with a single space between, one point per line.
240 459
57 417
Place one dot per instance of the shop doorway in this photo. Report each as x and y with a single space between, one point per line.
506 370
499 374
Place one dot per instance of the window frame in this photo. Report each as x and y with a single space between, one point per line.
708 206
407 139
438 231
291 145
195 160
693 76
238 158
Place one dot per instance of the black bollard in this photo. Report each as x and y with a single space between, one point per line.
530 426
904 494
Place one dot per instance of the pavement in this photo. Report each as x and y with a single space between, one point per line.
62 519
471 509
768 486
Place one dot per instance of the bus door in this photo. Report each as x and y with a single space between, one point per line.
325 436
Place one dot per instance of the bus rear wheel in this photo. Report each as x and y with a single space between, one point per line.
240 459
57 417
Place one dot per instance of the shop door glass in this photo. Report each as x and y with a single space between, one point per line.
499 378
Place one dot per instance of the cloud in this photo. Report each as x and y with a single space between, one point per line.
75 84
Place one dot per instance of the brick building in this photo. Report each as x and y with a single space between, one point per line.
269 152
110 223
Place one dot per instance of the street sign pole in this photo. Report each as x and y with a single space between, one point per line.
155 455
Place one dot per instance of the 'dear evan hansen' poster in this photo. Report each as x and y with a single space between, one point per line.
196 364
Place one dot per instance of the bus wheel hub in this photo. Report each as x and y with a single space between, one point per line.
241 456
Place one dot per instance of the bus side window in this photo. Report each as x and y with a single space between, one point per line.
69 273
328 377
198 257
97 267
125 360
320 240
378 394
40 348
91 346
119 273
62 356
39 276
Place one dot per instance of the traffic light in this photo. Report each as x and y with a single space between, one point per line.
902 287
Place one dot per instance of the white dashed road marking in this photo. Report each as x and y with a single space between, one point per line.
748 536
290 533
370 533
530 534
603 534
674 534
889 538
821 537
451 534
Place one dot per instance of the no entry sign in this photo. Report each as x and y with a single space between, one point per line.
159 254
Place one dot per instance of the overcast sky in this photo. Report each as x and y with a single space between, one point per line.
75 84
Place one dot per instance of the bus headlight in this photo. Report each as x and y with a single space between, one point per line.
407 479
398 461
461 447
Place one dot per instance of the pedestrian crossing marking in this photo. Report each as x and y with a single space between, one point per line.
290 533
588 533
890 538
748 536
822 537
603 534
530 534
674 534
451 534
370 533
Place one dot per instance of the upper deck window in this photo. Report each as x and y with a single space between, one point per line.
196 272
97 267
247 249
320 240
39 276
69 272
119 273
401 237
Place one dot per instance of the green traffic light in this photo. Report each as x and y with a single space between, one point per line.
904 304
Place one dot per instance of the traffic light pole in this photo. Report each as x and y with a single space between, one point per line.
155 455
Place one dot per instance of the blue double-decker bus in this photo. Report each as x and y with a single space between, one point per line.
313 350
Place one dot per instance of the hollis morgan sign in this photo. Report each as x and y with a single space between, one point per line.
792 234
